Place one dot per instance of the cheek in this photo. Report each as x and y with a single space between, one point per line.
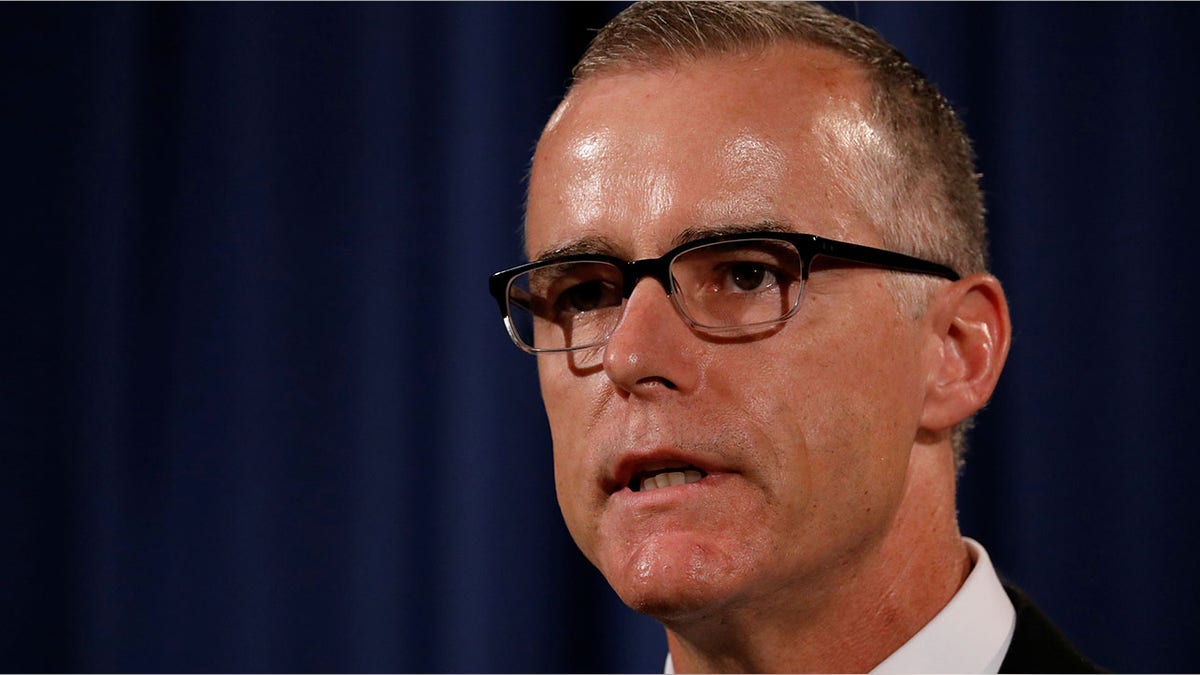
861 363
864 411
837 396
573 490
561 392
764 406
571 501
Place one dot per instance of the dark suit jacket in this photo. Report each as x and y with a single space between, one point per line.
1038 646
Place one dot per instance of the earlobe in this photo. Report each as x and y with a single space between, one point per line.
972 328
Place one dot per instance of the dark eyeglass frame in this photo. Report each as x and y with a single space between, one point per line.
809 246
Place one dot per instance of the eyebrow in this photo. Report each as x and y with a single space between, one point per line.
691 234
600 245
592 243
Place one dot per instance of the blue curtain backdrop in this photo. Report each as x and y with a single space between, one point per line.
260 413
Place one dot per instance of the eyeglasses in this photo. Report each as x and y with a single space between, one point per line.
728 284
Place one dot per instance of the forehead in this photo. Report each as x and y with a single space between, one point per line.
725 140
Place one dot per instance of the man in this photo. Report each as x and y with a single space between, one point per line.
757 425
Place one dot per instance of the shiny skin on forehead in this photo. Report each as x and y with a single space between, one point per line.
730 139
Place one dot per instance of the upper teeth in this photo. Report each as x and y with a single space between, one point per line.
670 478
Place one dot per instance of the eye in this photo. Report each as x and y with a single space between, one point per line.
738 282
587 296
749 276
737 268
567 291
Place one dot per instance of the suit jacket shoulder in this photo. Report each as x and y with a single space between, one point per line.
1037 644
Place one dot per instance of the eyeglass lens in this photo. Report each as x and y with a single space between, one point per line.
720 286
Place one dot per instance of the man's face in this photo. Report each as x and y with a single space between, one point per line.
802 434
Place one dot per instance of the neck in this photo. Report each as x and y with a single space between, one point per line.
852 618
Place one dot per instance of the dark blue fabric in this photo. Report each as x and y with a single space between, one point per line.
260 414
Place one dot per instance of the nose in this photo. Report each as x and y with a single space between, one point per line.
652 349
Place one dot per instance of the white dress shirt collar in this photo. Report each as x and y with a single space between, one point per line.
970 635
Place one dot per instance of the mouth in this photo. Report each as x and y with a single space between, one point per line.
660 475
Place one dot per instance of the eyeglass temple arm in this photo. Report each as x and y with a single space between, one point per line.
878 257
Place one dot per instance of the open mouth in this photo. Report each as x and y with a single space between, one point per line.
644 481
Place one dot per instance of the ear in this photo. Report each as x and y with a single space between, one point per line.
969 344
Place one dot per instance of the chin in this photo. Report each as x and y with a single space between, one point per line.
671 606
675 578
